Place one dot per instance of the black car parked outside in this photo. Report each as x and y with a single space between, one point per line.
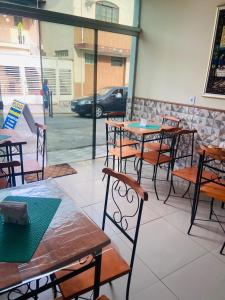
109 99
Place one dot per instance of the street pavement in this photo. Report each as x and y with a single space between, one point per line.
69 137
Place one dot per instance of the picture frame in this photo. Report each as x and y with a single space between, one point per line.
215 80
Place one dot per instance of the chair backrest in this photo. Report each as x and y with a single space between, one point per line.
170 120
185 145
41 143
167 136
211 159
124 190
9 176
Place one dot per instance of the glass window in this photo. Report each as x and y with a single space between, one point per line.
117 61
61 53
89 58
107 11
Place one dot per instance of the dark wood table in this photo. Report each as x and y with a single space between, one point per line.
70 236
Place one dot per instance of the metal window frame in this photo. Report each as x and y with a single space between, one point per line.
76 21
66 19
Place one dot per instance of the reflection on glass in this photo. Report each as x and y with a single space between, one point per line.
20 72
114 51
114 11
68 68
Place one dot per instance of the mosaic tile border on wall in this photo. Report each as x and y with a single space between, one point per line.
209 123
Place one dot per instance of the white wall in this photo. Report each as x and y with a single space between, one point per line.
174 50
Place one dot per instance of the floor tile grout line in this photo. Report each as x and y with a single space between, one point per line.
189 236
185 265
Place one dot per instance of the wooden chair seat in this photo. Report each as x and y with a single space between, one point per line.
3 183
113 266
124 152
190 174
152 158
214 190
156 147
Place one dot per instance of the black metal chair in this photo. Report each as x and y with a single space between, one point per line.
118 145
121 187
213 159
38 169
159 157
35 166
184 154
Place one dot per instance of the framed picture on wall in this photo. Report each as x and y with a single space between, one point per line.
215 82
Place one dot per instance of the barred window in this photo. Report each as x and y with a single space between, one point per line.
65 81
10 79
61 53
33 77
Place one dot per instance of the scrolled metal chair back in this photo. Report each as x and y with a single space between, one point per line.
122 189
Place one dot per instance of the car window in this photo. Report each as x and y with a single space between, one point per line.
118 91
103 92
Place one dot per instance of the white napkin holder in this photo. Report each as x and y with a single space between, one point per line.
143 122
14 212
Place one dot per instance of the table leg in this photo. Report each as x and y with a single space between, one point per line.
98 261
141 159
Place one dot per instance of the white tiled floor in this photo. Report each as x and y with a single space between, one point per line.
169 264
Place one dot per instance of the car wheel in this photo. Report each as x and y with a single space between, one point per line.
99 111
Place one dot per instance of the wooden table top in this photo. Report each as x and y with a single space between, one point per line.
15 138
70 236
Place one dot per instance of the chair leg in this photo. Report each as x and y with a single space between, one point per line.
114 162
222 205
189 185
128 286
221 251
168 172
154 179
211 208
153 175
193 215
54 289
171 187
125 166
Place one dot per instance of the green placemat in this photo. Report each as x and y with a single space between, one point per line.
18 243
148 126
4 137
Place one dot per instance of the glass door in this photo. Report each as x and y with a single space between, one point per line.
113 73
67 54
